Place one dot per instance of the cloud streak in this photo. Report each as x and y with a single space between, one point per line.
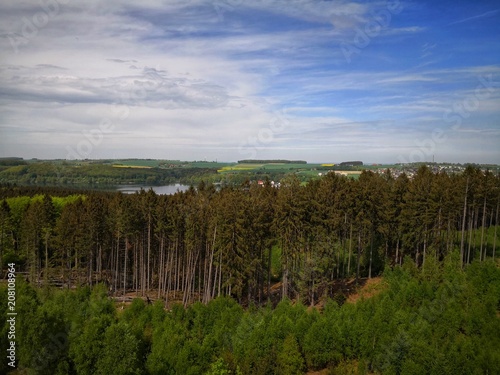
485 14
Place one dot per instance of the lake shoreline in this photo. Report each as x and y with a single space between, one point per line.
160 190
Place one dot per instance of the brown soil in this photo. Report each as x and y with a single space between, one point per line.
370 287
322 372
364 288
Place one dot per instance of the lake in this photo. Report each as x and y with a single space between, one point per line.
163 190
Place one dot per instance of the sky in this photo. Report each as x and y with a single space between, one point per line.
322 81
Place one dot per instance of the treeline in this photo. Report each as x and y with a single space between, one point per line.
441 318
53 173
238 241
8 162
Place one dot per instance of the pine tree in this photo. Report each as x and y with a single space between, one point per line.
289 359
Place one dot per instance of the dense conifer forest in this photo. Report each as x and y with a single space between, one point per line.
225 277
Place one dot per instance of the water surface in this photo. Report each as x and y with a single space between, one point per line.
163 190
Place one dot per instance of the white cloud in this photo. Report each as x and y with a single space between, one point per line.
193 79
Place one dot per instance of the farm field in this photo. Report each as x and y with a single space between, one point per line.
154 172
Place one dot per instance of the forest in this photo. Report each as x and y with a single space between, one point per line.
437 319
106 174
97 174
228 278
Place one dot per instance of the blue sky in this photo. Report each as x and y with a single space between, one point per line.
323 81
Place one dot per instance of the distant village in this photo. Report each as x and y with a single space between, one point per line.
396 170
411 169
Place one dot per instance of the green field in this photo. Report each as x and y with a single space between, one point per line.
138 163
110 172
274 167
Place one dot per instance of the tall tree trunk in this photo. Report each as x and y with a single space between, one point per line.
91 265
125 268
161 267
284 292
46 272
208 286
269 271
463 224
135 281
358 257
397 250
425 248
481 256
148 260
350 253
471 220
495 231
371 257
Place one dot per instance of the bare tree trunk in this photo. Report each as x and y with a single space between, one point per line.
425 248
463 224
448 240
344 245
220 275
338 262
178 285
214 284
148 260
481 256
208 286
397 250
371 258
90 265
350 253
76 266
170 272
115 266
135 275
125 268
358 257
46 272
471 219
99 264
495 232
161 267
284 292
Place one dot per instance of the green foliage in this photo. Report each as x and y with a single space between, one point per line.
120 351
218 250
94 173
437 319
99 303
87 347
289 359
219 367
